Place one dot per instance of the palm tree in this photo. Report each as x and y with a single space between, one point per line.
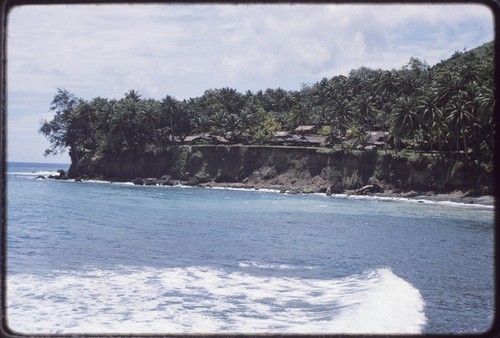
388 84
447 87
404 119
486 102
431 118
230 100
248 120
201 123
218 121
169 107
133 95
148 115
459 117
297 117
340 116
364 109
233 126
122 120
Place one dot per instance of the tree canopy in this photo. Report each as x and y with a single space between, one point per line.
444 109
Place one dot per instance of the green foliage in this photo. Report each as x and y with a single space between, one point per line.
325 130
444 110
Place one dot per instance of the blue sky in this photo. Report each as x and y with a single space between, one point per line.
182 50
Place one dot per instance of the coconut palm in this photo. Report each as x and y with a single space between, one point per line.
340 118
431 118
169 106
364 109
458 119
404 120
133 95
149 115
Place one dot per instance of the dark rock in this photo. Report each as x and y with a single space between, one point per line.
186 176
150 181
41 177
78 179
192 182
62 175
169 182
138 181
334 190
292 167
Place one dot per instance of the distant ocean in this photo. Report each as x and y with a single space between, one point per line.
99 257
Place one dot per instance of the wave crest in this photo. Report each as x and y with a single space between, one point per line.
207 300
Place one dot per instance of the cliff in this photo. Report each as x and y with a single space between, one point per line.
291 168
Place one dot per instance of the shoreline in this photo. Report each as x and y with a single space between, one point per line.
372 191
456 197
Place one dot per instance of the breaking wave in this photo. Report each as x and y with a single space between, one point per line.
207 300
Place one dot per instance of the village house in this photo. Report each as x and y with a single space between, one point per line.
306 129
205 138
376 139
287 138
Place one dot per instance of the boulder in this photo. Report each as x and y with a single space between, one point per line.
166 182
333 189
185 176
62 175
138 181
192 182
41 177
150 181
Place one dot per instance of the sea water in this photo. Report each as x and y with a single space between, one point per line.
99 257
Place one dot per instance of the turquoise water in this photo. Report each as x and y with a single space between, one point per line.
97 257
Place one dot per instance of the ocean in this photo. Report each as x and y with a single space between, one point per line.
100 257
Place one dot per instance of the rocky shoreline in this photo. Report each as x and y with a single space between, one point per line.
371 190
455 196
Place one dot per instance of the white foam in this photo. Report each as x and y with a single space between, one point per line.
412 200
207 300
252 264
35 173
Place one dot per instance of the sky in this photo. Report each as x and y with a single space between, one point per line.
184 49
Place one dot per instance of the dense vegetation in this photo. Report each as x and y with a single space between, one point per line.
446 109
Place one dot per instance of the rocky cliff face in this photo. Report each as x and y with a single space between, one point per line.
289 167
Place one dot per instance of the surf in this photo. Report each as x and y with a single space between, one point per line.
200 299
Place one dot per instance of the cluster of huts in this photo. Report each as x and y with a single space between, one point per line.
305 135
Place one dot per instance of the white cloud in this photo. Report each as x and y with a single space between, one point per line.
183 50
